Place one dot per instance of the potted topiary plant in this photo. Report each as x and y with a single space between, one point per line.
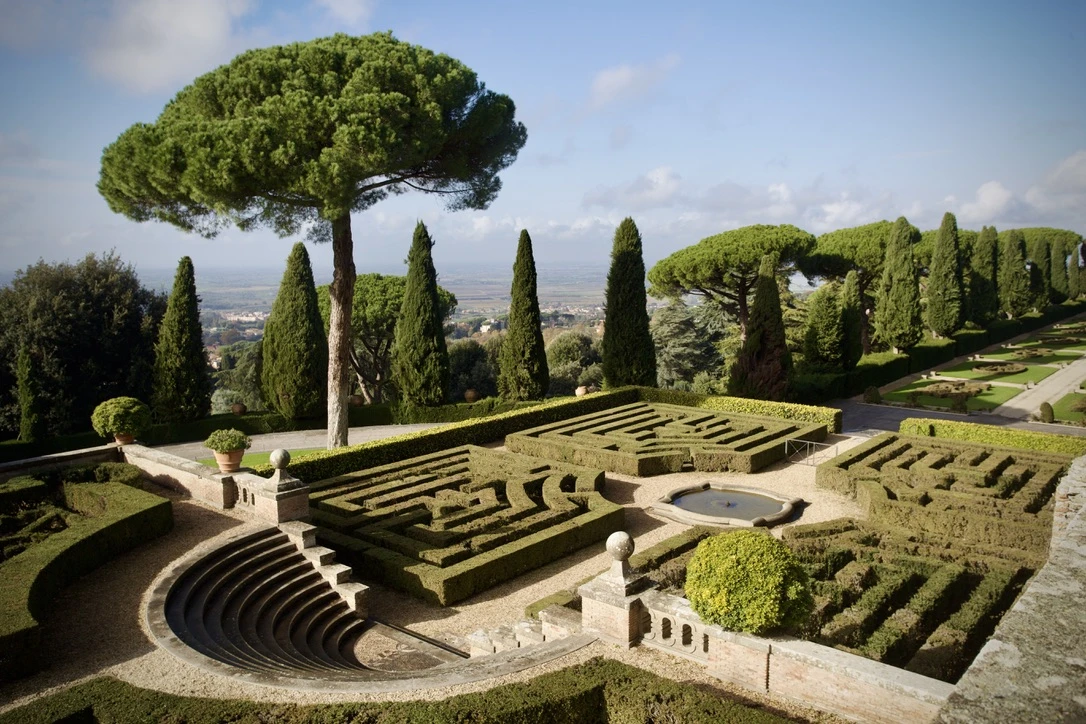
229 447
122 417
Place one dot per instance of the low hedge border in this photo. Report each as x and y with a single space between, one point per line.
120 518
993 435
597 691
827 416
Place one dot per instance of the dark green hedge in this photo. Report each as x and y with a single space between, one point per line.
929 353
994 435
827 416
404 415
116 519
968 341
595 692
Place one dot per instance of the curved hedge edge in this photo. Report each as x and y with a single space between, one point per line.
31 579
830 417
992 435
598 690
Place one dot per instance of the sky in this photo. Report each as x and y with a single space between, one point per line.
691 117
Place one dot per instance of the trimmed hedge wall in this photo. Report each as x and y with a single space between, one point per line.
931 352
117 519
595 692
993 435
827 416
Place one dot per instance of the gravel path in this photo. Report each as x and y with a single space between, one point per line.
106 634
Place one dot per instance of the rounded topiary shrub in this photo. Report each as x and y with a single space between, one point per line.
1047 413
121 416
872 395
747 581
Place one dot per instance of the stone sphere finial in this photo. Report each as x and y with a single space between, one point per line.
620 545
279 459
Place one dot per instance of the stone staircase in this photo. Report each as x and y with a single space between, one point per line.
554 622
271 602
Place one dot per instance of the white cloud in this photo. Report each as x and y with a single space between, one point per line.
1063 188
354 13
155 45
993 200
622 82
658 188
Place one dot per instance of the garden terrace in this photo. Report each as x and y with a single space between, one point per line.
646 439
905 599
447 525
983 499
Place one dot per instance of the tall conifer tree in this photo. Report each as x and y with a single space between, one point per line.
763 367
1040 276
823 339
983 273
1074 275
1058 277
182 382
629 357
943 313
897 306
852 347
1014 292
294 373
420 359
31 421
523 372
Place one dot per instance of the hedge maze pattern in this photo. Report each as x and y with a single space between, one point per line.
875 597
993 500
448 525
645 439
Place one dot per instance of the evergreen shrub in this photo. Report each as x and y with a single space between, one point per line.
872 395
994 435
121 416
1047 414
747 581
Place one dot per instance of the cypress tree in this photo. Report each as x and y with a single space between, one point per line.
182 383
983 272
294 373
1058 276
763 367
523 373
1074 278
629 357
943 313
1014 298
852 346
823 340
897 306
420 360
31 421
1040 274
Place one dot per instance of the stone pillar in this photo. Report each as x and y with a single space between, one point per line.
610 603
281 497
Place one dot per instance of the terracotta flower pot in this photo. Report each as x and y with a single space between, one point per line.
124 438
229 462
470 395
239 408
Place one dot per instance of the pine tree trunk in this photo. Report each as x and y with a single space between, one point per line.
341 296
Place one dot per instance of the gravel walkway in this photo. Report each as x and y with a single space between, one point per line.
107 635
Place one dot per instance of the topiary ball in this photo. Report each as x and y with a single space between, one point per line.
747 581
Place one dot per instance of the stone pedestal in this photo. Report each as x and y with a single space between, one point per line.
610 603
280 498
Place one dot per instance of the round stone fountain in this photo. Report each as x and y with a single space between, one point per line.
717 504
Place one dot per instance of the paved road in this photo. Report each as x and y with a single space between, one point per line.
299 440
1050 389
860 418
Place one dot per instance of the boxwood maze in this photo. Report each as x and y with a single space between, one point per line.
448 525
985 498
645 439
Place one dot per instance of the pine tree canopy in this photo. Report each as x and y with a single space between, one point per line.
943 312
523 372
724 268
683 347
629 357
763 368
302 135
983 277
182 382
420 360
1014 282
295 349
897 306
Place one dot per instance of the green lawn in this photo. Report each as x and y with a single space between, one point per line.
989 400
1046 340
1063 408
259 458
1048 359
965 371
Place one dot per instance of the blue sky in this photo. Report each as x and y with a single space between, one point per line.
692 118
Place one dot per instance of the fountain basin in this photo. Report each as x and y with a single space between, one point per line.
717 504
